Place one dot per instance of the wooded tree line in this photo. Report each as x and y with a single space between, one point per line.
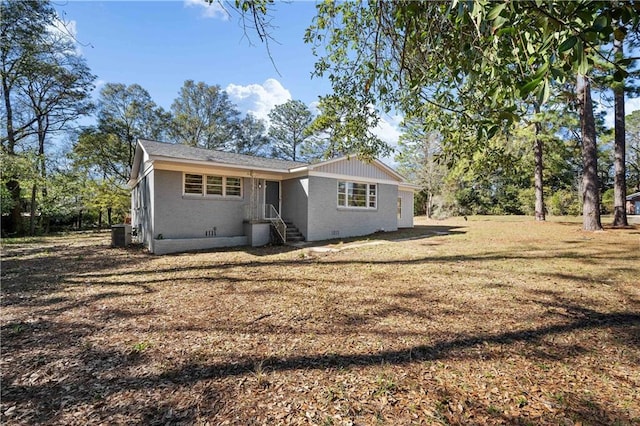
47 86
496 99
499 180
477 74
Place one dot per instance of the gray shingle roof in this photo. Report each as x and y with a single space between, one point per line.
184 152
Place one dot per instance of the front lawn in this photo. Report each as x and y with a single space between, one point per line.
479 321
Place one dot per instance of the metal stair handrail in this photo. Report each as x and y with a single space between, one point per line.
271 214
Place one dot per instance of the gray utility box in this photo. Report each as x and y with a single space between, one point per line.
120 235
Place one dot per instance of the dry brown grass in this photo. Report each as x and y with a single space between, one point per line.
486 321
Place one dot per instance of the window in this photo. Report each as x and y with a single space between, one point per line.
192 184
217 186
214 185
357 195
372 196
399 207
233 187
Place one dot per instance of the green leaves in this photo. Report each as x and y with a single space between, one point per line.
495 12
529 87
468 60
567 44
203 115
580 63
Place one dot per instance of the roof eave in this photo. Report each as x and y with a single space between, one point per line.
217 164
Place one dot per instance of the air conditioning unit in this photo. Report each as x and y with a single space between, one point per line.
121 235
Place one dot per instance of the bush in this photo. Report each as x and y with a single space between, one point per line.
527 200
607 204
564 202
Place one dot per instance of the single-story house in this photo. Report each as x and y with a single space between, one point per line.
185 198
633 203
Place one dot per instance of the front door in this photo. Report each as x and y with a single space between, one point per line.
272 195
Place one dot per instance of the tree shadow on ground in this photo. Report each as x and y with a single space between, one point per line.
434 352
47 396
406 234
87 383
529 341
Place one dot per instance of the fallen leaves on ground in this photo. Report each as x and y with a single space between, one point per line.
499 321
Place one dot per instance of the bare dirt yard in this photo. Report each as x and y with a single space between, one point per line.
486 321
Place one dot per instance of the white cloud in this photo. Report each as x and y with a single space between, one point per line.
388 130
66 31
313 107
99 84
631 105
258 99
213 10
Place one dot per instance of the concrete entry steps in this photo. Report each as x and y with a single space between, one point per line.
293 234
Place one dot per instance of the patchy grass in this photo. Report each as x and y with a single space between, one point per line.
483 321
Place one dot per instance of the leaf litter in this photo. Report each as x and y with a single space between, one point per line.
452 322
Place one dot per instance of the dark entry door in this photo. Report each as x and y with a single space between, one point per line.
272 194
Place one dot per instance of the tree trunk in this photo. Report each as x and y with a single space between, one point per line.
13 185
43 126
590 186
100 219
109 215
538 170
14 225
620 181
79 219
32 211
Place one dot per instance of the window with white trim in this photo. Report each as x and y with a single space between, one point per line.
233 187
215 185
192 184
357 195
212 186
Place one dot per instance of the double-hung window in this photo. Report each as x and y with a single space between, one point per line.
357 195
212 186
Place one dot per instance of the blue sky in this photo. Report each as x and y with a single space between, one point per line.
160 44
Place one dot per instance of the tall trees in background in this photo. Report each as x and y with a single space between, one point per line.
344 127
203 116
625 33
288 129
105 152
125 114
633 150
418 152
468 59
620 185
46 86
249 137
